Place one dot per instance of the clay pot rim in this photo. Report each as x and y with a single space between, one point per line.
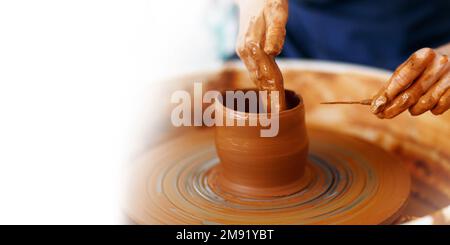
244 115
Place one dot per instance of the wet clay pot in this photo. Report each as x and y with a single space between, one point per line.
255 166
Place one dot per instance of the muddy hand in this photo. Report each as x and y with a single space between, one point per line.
420 84
261 37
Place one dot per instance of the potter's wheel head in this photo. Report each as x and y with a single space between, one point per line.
347 181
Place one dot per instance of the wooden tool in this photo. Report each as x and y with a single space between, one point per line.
361 102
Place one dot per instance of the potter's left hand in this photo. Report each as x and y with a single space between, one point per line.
420 84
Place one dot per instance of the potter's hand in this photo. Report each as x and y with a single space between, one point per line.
261 37
262 23
420 84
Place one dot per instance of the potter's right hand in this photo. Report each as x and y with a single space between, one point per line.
420 84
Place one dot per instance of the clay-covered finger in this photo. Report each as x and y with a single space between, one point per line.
429 100
276 14
443 104
252 26
249 47
397 106
402 78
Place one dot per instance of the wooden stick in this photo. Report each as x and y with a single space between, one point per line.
361 102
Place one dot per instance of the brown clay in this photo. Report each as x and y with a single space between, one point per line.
251 165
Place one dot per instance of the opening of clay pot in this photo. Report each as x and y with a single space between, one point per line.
255 166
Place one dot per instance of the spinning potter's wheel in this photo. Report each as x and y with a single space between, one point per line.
421 144
347 181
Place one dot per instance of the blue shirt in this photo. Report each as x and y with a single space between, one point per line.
381 33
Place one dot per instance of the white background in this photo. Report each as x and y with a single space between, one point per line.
74 76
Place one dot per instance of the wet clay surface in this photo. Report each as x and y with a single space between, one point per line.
422 148
255 166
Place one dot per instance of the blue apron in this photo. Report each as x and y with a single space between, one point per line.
381 33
